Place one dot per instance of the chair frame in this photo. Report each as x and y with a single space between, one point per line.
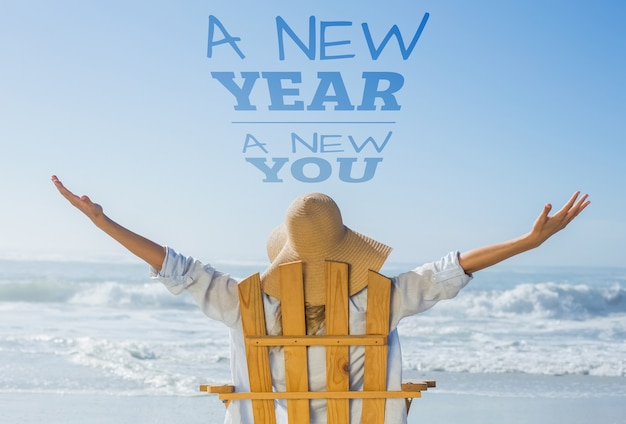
337 341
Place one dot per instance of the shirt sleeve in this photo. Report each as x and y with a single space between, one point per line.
421 288
215 293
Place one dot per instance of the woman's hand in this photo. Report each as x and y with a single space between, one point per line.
151 252
544 227
82 203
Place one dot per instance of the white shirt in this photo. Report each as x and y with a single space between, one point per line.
217 295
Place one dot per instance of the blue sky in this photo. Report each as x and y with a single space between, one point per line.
505 106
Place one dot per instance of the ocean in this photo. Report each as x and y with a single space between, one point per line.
98 329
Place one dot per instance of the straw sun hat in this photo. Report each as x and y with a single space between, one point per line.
313 232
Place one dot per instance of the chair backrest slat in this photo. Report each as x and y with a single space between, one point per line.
253 322
294 324
377 322
337 357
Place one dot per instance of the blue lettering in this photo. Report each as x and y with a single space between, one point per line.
246 145
242 94
316 170
330 88
371 91
394 31
295 137
323 167
341 98
271 174
213 22
324 146
278 92
324 44
281 26
371 140
345 169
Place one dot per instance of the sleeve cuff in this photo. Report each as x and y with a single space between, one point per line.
165 266
449 268
173 271
451 275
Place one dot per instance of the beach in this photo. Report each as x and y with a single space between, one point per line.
102 343
498 398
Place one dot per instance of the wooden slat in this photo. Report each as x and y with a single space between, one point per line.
363 340
294 324
224 388
343 395
218 390
253 321
411 386
337 359
415 386
409 390
377 322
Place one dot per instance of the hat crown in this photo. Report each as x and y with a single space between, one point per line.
314 225
313 232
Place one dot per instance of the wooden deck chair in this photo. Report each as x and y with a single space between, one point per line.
337 341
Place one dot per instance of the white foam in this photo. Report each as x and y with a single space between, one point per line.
81 330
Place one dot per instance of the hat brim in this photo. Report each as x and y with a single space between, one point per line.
359 251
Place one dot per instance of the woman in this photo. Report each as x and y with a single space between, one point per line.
313 232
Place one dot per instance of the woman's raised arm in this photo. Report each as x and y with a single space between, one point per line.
544 227
151 252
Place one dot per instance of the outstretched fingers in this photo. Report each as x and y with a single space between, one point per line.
576 207
74 199
83 203
546 226
571 209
